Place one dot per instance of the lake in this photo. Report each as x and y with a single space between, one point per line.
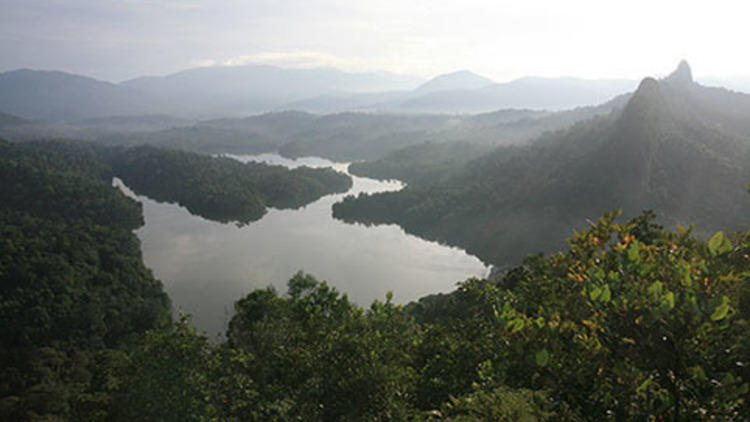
206 266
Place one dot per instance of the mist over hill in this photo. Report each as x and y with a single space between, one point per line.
53 95
466 92
200 92
237 91
224 91
346 136
10 120
677 147
243 90
462 79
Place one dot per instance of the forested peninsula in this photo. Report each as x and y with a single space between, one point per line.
221 188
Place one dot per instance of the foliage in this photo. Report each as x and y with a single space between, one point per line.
500 404
72 282
630 323
625 327
325 358
220 188
421 164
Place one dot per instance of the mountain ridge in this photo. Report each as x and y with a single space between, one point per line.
652 154
212 92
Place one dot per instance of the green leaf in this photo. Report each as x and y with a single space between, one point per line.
542 357
634 253
515 325
594 293
644 385
669 300
599 274
613 276
687 279
655 288
721 311
719 244
697 372
606 294
539 322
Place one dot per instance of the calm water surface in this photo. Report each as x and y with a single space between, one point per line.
206 266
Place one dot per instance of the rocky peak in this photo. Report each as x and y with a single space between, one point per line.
683 75
646 108
647 95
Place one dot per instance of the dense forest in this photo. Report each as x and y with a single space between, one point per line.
623 321
220 188
676 147
630 322
421 164
217 188
348 136
74 291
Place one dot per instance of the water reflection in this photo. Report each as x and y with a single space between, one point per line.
206 266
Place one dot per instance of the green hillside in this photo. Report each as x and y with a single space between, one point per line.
658 152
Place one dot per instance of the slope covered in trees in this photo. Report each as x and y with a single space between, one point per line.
629 323
75 296
422 163
672 148
73 287
450 150
340 137
220 188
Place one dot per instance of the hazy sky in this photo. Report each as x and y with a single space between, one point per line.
120 39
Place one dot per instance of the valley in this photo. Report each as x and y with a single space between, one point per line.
459 250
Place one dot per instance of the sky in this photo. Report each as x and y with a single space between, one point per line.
116 40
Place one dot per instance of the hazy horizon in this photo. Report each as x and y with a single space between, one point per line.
119 40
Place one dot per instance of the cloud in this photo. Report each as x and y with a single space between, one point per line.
204 62
504 39
299 59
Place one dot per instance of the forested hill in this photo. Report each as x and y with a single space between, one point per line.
676 147
75 296
73 288
220 188
631 322
10 120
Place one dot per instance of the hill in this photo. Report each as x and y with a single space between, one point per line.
449 150
74 292
10 120
193 93
242 90
219 188
465 92
233 91
676 147
529 92
63 96
462 79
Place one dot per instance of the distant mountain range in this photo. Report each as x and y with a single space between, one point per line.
466 92
53 95
677 147
194 93
245 90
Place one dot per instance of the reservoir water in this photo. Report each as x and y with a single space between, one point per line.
206 266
